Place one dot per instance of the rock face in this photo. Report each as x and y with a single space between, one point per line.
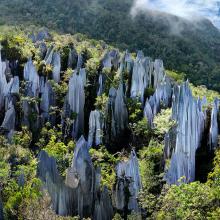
126 63
111 59
95 128
49 55
143 72
190 119
82 175
107 60
161 98
116 111
103 207
128 184
80 191
110 120
32 79
76 101
79 62
148 113
213 133
8 123
32 89
140 76
72 58
158 72
6 88
120 111
47 101
15 86
101 85
56 63
40 36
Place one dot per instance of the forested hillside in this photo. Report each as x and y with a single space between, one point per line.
185 46
90 131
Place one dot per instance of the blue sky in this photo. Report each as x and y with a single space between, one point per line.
184 8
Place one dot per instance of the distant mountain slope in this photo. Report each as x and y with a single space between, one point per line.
193 48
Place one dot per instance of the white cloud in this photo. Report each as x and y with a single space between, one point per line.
183 8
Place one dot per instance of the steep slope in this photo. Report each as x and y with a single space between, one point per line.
185 46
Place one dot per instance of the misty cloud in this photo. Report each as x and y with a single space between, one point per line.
184 8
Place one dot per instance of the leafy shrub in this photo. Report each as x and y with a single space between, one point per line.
107 162
163 123
151 175
178 77
141 132
187 201
61 152
135 110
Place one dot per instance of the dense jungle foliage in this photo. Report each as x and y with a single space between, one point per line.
192 47
23 196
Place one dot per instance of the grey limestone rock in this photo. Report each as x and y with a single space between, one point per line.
213 132
80 194
56 63
128 179
188 114
95 128
47 101
31 76
76 101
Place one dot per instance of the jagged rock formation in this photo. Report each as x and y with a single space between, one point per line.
32 79
47 101
161 98
143 72
40 36
107 60
140 76
49 55
6 88
7 91
32 89
213 133
103 207
95 128
9 120
75 101
128 184
110 120
116 111
81 175
159 72
56 63
72 58
101 85
120 111
53 58
15 86
79 62
148 113
190 119
79 194
111 59
126 63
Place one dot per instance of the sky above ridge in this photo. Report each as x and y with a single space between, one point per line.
184 8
